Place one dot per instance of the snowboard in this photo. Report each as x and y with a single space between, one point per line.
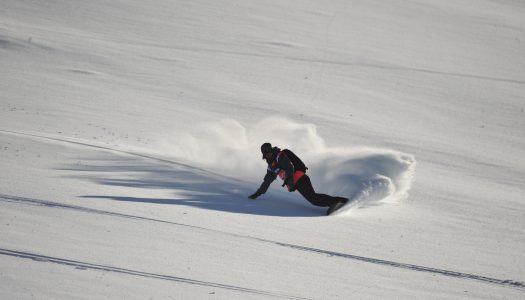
336 206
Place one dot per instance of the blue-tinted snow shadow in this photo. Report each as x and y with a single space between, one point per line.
267 207
192 187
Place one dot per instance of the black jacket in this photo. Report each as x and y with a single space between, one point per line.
278 163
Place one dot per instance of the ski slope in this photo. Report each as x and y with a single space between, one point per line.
130 135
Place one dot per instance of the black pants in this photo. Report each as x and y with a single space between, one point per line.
304 186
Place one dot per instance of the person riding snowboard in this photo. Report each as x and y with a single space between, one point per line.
286 165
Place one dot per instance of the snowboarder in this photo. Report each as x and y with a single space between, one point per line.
286 165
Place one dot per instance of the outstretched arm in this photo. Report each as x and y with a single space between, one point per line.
268 179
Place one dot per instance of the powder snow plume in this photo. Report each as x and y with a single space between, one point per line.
368 175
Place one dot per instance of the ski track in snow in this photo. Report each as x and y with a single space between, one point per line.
329 254
105 268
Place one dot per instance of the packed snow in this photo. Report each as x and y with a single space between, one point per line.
130 134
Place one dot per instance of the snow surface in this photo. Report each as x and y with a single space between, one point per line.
130 134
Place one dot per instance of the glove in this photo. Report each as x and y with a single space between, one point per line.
254 195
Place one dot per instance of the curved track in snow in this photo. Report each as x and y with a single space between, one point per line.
328 253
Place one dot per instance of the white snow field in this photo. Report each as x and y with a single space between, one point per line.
130 134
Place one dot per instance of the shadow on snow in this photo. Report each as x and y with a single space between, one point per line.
193 187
